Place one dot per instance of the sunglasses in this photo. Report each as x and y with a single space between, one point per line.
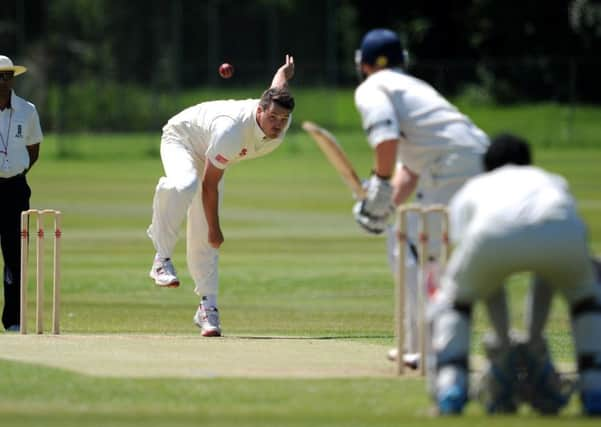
6 75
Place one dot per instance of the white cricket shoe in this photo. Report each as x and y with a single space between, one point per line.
410 360
163 273
207 319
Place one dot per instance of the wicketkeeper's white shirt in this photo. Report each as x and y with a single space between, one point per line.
393 105
225 132
509 198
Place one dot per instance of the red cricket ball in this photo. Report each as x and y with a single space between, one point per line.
226 70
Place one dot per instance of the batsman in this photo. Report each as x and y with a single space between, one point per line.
423 146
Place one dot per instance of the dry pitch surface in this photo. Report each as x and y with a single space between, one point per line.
193 356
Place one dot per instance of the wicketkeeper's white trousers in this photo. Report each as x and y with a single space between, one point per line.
177 193
555 251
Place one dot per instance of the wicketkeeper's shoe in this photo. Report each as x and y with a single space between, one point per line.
539 382
591 402
207 319
451 384
589 384
163 273
452 400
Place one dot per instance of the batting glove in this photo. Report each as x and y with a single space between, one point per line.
373 212
368 223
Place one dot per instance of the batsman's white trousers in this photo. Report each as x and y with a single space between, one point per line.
178 192
437 185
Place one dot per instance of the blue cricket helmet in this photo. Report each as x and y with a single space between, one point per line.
381 47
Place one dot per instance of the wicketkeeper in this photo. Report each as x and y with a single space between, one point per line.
515 218
413 129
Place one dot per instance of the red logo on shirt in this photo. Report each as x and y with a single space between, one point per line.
221 159
242 153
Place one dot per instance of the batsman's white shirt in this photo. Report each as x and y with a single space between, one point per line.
437 142
395 105
512 219
224 132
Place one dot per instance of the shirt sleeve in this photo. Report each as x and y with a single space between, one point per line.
225 143
378 117
34 131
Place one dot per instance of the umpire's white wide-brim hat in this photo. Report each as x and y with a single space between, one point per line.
7 65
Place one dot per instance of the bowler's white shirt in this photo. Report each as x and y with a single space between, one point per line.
19 127
394 105
507 198
225 132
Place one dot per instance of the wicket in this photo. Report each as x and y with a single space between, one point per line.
424 213
39 216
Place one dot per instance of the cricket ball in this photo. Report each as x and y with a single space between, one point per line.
226 70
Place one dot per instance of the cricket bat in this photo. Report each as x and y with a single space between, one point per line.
337 157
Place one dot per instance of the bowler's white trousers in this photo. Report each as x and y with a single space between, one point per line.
177 193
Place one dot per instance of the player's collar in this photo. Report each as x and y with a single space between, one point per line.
399 70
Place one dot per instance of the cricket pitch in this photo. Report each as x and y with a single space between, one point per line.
139 356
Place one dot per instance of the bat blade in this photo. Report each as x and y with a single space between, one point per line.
336 156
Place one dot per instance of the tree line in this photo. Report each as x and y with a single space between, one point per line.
510 51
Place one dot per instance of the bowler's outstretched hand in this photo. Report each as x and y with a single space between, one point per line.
284 73
288 67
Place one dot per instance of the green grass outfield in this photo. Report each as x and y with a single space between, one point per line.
294 264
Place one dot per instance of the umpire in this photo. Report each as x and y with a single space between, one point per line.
20 138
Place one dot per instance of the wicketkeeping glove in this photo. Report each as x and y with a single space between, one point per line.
373 212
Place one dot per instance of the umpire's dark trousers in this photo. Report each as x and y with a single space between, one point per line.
15 194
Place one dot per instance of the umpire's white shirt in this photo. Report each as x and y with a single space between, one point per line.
225 132
19 127
394 105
